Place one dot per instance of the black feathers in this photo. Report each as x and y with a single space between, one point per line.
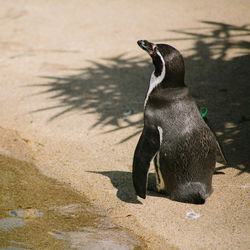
174 131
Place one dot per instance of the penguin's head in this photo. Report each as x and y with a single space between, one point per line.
168 61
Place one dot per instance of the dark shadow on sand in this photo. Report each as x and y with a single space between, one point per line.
122 181
113 86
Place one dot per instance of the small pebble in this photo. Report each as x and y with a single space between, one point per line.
127 114
192 215
26 213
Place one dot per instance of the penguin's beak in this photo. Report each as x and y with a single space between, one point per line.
145 45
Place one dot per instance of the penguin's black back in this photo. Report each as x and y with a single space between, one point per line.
187 150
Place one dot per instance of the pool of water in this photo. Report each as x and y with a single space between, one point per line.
37 212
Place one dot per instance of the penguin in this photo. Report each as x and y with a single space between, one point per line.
174 136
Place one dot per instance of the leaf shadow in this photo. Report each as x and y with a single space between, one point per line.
218 79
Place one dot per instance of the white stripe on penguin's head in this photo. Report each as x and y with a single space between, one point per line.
155 80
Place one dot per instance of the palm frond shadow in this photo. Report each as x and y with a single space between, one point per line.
218 82
109 89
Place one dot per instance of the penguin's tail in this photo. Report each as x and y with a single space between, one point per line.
191 192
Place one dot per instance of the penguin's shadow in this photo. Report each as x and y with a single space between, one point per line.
122 181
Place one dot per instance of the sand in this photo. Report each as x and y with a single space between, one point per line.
73 81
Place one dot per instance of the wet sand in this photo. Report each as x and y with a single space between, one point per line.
38 212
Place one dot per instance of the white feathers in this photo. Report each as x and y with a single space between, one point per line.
160 133
154 81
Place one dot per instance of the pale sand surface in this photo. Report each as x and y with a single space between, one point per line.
69 72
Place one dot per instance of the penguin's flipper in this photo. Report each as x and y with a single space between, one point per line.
148 145
219 147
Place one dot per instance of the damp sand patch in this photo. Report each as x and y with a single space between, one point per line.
39 212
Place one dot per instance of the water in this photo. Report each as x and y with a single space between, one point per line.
37 212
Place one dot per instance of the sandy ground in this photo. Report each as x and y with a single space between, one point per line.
73 82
